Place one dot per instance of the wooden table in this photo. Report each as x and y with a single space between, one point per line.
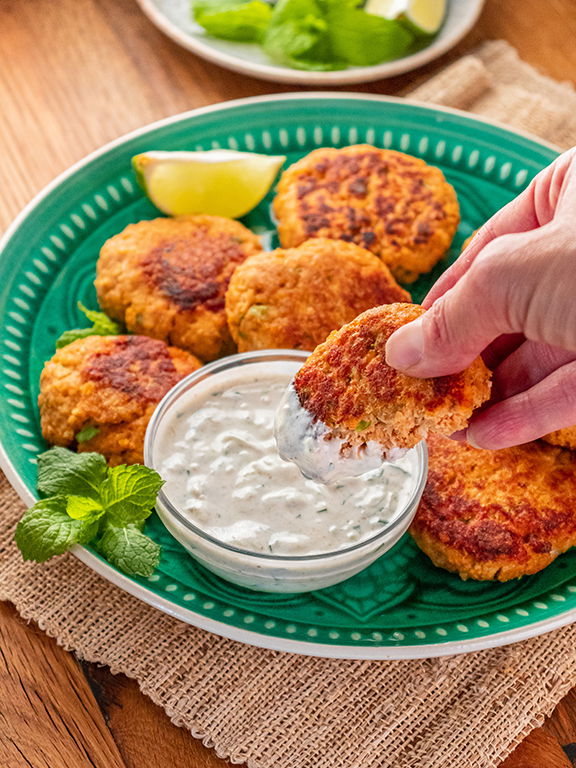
73 75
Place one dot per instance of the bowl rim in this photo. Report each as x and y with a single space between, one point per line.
248 358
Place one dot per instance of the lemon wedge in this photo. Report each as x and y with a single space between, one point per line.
425 17
219 182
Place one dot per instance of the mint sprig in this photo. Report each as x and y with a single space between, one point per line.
129 492
89 502
129 549
102 325
241 20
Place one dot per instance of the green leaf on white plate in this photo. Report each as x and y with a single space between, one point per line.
242 21
298 36
363 39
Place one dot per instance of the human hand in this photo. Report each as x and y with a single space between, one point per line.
510 296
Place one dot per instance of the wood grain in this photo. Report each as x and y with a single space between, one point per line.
48 715
73 75
143 733
539 749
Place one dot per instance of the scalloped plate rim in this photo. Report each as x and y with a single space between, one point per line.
271 642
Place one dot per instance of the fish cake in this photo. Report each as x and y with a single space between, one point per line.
167 278
496 515
293 298
110 383
393 204
564 437
347 385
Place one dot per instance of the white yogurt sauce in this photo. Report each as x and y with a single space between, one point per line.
317 453
223 472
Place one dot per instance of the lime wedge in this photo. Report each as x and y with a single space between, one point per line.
219 182
424 17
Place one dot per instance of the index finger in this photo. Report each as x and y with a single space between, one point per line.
519 215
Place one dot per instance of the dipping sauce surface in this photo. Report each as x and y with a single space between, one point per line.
317 453
223 472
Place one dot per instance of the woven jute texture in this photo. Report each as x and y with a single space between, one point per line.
278 710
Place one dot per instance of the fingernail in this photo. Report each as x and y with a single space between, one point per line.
405 347
470 439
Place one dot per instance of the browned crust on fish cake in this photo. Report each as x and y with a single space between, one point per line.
167 278
347 384
496 515
294 298
393 204
110 382
564 437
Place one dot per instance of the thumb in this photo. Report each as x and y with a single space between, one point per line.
454 330
517 284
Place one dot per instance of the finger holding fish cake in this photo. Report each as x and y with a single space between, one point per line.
347 385
468 240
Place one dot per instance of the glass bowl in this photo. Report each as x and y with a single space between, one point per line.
255 570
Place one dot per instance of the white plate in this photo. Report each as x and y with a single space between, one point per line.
174 18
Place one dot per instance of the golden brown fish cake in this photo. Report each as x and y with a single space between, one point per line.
294 298
167 278
395 205
564 437
496 515
112 383
347 385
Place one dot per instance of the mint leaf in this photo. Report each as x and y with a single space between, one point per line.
297 35
47 530
130 550
102 325
99 319
85 496
363 39
83 508
63 472
241 21
73 335
87 433
129 493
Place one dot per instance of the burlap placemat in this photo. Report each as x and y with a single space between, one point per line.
278 710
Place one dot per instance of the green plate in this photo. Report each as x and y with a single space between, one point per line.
402 606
